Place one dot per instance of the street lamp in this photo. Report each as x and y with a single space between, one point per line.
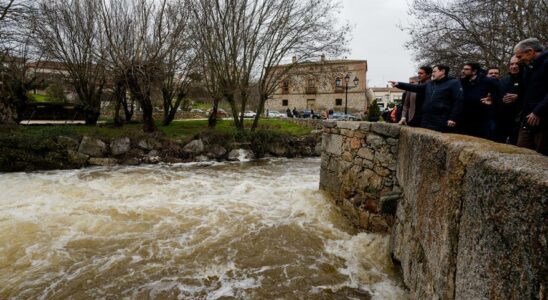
346 80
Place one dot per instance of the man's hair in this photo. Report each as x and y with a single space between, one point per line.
444 68
530 43
493 68
426 69
474 65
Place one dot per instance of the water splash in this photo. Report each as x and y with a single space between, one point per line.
259 229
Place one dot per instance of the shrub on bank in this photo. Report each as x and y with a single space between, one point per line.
57 147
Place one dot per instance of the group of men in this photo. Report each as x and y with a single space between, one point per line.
512 110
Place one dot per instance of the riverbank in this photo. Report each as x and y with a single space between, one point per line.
52 147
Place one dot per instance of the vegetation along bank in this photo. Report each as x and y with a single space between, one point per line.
48 147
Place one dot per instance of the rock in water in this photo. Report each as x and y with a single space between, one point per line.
149 144
92 147
120 146
216 151
195 147
77 158
240 155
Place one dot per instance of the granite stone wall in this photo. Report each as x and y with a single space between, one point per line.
359 170
471 223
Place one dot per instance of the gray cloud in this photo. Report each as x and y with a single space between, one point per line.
377 38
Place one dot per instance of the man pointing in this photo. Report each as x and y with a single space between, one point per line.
442 99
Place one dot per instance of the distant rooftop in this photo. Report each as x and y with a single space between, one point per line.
326 61
386 89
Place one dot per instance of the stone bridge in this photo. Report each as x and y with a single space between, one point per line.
467 217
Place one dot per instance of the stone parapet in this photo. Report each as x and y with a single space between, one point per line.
472 220
359 169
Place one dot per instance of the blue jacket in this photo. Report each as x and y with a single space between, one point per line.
442 102
507 112
534 93
473 91
477 119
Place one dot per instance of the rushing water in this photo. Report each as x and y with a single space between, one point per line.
255 230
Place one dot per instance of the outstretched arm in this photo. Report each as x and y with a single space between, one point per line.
408 86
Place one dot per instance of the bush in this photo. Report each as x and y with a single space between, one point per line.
374 112
56 93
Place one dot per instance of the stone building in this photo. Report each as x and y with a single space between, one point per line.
320 85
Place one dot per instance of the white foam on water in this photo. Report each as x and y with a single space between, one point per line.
201 230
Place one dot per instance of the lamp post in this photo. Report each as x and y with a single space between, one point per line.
346 80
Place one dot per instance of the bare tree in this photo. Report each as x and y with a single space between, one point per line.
180 61
141 39
243 39
214 89
16 51
17 80
218 28
119 95
305 29
69 32
485 31
5 6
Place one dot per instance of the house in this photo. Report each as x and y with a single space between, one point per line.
386 95
322 85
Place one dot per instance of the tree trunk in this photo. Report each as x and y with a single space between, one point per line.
235 116
143 96
244 105
117 119
148 120
128 109
166 95
212 119
119 94
259 112
170 116
91 116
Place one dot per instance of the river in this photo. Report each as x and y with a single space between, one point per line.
252 230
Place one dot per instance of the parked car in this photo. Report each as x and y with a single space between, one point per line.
221 113
336 115
249 114
197 110
276 114
344 117
308 114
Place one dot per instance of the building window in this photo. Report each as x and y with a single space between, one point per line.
285 102
311 86
338 102
285 87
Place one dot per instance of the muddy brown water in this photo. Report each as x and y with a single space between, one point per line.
252 230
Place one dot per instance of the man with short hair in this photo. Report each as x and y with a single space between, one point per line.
412 102
508 109
442 99
493 72
533 131
478 109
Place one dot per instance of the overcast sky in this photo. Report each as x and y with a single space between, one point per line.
377 38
